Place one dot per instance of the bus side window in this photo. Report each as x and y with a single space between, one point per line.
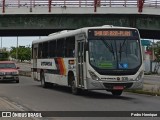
52 48
40 50
60 47
70 47
45 50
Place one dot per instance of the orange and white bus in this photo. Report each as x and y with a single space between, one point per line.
91 58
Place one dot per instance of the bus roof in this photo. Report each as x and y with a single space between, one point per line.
67 33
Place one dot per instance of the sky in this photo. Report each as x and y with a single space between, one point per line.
9 42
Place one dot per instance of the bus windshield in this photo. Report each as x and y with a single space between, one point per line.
114 54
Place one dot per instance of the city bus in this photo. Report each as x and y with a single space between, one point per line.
91 58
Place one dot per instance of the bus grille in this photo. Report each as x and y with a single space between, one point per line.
111 85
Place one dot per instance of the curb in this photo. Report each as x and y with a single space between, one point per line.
6 105
148 89
25 73
144 92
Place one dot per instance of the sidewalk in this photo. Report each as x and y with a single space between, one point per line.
152 89
5 105
151 86
8 106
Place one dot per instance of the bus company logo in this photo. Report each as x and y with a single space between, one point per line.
46 63
6 114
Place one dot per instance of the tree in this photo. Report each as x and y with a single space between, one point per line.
4 55
23 53
157 52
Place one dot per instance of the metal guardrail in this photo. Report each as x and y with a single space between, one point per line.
51 4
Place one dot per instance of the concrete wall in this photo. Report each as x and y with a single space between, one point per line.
148 64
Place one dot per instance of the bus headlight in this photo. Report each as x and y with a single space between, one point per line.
93 75
139 77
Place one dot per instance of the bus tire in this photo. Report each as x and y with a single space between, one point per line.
43 80
44 84
17 81
116 92
74 89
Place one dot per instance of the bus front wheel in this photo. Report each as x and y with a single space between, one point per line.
116 92
74 89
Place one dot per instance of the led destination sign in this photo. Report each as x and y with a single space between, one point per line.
112 33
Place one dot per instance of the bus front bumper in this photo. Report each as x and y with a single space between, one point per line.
105 85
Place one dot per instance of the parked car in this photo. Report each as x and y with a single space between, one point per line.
9 71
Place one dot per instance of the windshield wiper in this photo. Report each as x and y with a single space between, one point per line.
110 47
120 48
112 51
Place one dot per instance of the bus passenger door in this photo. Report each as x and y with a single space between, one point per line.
80 63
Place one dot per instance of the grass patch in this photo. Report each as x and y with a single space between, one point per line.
144 92
145 83
149 73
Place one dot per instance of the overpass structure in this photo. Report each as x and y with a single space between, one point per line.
42 17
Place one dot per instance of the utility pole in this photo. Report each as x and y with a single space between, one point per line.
1 42
17 50
153 51
152 60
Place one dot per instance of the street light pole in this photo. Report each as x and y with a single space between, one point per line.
153 51
151 65
1 42
17 50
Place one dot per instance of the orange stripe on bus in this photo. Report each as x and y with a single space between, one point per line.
61 66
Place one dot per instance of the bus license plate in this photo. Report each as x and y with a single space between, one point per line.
118 87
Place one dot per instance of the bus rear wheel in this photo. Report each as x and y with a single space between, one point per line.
116 92
44 84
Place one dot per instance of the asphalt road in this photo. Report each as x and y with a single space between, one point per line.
29 95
